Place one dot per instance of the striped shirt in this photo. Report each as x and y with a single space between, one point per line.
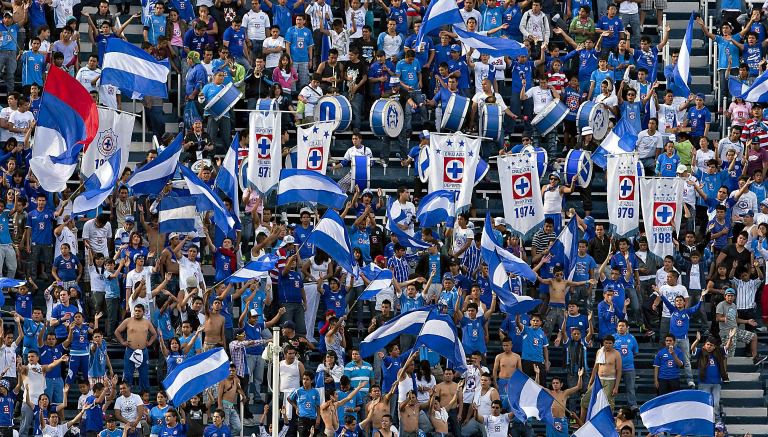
399 267
359 373
542 239
745 292
471 259
753 128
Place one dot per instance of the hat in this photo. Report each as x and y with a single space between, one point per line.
110 418
8 14
192 282
720 426
130 219
379 258
586 130
447 276
137 256
288 239
305 209
498 221
368 192
394 81
5 384
729 290
681 168
673 138
764 202
747 213
292 225
71 18
424 134
173 235
239 331
456 48
253 312
194 57
700 96
555 174
288 324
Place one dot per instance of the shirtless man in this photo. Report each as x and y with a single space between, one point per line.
214 325
438 413
445 392
139 334
558 286
608 368
228 390
378 407
560 426
504 366
329 410
409 415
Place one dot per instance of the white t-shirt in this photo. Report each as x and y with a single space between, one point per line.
408 213
128 406
647 144
58 431
132 280
472 381
20 120
358 15
746 202
481 96
483 401
67 236
496 426
671 292
460 238
257 24
61 10
628 7
188 269
273 59
98 280
541 98
482 71
85 76
5 114
97 236
312 95
108 95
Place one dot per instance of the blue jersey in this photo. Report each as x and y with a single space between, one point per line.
666 363
155 27
7 404
307 401
752 56
224 265
680 319
336 301
97 361
512 16
422 53
301 235
23 305
617 287
66 268
290 287
473 334
93 417
179 430
580 321
520 72
618 260
633 112
32 68
583 267
300 40
697 120
9 38
646 59
607 318
50 354
282 18
213 431
627 346
80 342
616 25
572 100
65 315
389 368
534 342
236 40
587 64
490 18
41 226
157 418
460 65
712 372
31 331
361 239
400 15
409 73
666 166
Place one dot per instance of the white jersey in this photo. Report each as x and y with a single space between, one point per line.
496 426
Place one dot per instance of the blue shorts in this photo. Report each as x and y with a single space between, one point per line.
559 428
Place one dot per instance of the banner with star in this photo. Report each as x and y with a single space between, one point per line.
662 203
451 157
115 130
314 146
265 159
623 196
521 193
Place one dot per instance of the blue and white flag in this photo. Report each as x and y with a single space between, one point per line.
226 179
196 374
151 178
510 303
100 184
177 214
602 425
360 172
624 195
313 146
598 402
528 399
453 162
403 238
439 335
622 139
147 9
297 185
437 207
566 247
115 131
682 70
331 236
255 269
662 204
492 46
686 412
132 69
737 87
757 92
408 323
264 155
207 200
382 281
11 283
512 264
521 193
439 13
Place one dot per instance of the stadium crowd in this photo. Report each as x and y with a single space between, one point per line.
108 280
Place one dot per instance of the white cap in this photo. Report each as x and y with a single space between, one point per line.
681 168
394 81
586 130
288 239
173 235
498 221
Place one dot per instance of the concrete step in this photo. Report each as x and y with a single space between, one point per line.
755 430
741 394
682 7
742 376
746 412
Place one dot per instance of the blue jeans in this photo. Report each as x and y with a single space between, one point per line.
628 377
714 390
54 389
129 366
8 61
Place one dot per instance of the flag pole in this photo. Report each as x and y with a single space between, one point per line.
118 110
76 192
276 381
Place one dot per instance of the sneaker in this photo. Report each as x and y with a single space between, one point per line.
691 384
761 329
758 360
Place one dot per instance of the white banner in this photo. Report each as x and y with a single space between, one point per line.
115 130
662 211
314 146
453 162
624 195
521 193
265 159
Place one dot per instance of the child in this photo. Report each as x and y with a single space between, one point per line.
735 169
738 111
78 344
98 362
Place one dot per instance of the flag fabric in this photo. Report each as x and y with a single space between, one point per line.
195 374
382 281
255 269
662 204
422 167
510 303
264 154
314 146
403 238
207 200
624 195
528 399
439 13
755 93
682 70
177 214
566 246
408 323
133 70
511 263
439 335
602 425
598 402
147 8
492 46
331 236
68 119
451 157
622 139
11 283
471 160
100 184
360 172
437 207
115 130
686 412
521 193
738 88
226 179
152 177
297 185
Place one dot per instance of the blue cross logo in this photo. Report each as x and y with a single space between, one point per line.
664 214
264 146
455 170
626 188
314 158
522 185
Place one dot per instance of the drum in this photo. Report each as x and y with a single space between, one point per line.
266 105
542 158
578 164
594 115
334 108
454 113
222 102
552 115
387 118
491 122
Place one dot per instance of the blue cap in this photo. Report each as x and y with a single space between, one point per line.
729 290
447 276
700 96
456 48
747 213
424 134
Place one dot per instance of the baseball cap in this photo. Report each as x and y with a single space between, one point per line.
288 324
192 282
305 210
394 81
498 221
764 202
720 426
700 96
137 256
447 276
729 290
456 48
368 192
555 174
672 138
379 258
239 331
130 219
5 384
586 130
8 14
253 312
288 239
747 213
424 134
681 168
173 235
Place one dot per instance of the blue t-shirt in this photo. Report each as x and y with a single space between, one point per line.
50 354
336 301
308 402
180 430
618 260
157 418
712 372
41 225
512 17
290 287
666 166
587 64
579 321
617 287
361 238
32 67
300 234
666 363
627 346
155 25
646 59
598 77
460 65
727 50
212 431
616 25
409 73
80 342
710 183
300 40
697 119
65 315
582 267
490 18
31 331
752 56
534 342
23 305
633 112
93 417
679 320
389 368
9 37
606 319
66 268
422 54
236 41
400 15
473 334
520 71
